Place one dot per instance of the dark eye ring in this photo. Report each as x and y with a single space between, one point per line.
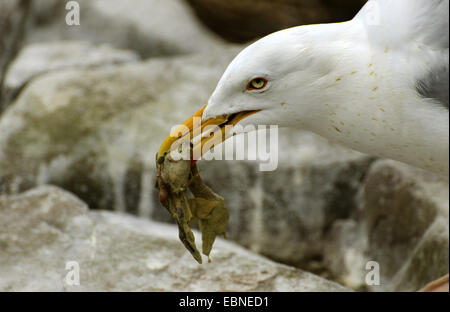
257 84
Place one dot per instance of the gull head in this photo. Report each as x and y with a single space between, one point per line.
285 79
281 78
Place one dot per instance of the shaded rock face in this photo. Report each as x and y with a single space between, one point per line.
13 21
401 223
96 131
245 20
286 214
407 223
149 27
43 230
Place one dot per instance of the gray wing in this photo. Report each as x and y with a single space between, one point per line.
434 85
425 22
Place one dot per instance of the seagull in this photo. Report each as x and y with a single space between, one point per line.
377 84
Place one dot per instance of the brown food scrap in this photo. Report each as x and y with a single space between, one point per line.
206 208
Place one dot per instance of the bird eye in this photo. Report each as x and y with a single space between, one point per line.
257 84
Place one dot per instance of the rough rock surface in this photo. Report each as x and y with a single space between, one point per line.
406 216
149 27
401 223
44 229
13 20
286 214
39 58
95 132
92 126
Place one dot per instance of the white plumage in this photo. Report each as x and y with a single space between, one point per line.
377 84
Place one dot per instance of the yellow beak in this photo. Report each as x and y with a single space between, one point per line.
196 128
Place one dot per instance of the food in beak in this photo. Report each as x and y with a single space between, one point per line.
206 208
176 177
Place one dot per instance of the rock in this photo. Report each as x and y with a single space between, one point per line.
244 20
13 20
149 27
345 253
405 211
96 131
402 224
39 58
17 17
44 11
118 117
46 231
285 214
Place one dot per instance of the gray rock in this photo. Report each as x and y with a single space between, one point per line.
95 132
14 16
285 214
345 253
405 213
39 58
402 224
44 229
149 27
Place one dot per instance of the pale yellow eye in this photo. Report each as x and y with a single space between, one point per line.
257 84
